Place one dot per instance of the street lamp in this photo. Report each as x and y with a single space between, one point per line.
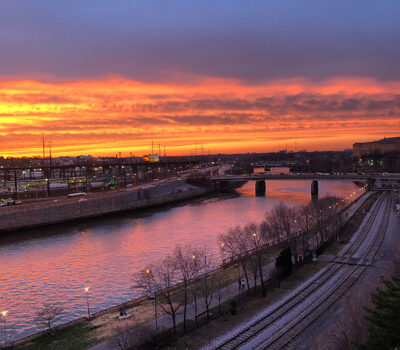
4 314
307 218
87 300
195 290
148 271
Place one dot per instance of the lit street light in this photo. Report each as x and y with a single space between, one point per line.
195 291
87 300
155 302
4 314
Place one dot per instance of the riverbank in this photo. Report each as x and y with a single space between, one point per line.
99 204
139 308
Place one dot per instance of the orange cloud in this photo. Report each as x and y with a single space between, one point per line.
114 114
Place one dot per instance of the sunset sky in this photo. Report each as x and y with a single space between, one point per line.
101 77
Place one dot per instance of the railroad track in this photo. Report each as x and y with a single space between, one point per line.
279 341
287 305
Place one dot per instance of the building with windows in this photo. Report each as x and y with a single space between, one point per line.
381 146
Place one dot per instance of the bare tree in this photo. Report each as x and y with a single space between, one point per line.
47 315
220 283
260 236
185 260
130 337
283 220
234 244
253 243
160 279
207 283
304 225
351 326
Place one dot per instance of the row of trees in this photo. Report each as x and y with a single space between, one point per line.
299 228
190 273
187 273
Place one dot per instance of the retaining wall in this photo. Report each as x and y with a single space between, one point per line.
64 210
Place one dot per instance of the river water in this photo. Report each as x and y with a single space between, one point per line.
54 264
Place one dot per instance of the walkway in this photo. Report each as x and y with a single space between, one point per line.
229 292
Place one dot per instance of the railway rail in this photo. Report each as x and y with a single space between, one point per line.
308 295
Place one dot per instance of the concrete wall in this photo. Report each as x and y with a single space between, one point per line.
107 203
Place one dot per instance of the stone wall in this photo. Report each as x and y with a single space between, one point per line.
66 210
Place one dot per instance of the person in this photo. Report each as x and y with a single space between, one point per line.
243 284
125 313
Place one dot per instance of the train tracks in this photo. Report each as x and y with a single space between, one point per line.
277 328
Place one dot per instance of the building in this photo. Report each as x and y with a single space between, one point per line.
382 146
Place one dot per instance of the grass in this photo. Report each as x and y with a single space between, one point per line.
76 337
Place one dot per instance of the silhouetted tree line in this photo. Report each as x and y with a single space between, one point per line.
191 274
383 319
296 229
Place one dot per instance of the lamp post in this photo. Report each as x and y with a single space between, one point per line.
239 281
148 272
4 314
307 218
195 290
87 300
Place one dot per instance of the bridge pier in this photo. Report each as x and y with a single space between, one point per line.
260 188
314 188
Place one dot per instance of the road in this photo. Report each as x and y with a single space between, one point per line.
46 203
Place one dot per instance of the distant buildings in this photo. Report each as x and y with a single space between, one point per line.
381 146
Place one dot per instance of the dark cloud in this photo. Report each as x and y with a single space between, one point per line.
177 40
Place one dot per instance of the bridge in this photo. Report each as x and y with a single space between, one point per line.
374 182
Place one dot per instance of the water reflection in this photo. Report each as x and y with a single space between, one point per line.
54 264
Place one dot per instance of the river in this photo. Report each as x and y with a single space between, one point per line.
54 264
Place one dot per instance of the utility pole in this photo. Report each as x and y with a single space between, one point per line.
44 153
50 159
49 172
16 183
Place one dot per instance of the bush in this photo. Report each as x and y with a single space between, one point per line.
284 260
284 263
129 336
233 307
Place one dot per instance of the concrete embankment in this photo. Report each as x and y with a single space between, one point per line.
69 209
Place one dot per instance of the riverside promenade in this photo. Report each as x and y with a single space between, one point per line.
230 292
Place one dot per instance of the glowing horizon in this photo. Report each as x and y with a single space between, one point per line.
106 116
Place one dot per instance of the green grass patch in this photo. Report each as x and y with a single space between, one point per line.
78 337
